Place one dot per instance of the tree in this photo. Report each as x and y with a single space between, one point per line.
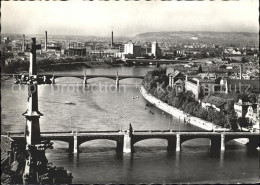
244 60
243 122
243 97
175 102
211 115
200 69
252 98
220 119
229 106
231 121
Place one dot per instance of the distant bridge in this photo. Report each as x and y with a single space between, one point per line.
125 140
50 78
156 62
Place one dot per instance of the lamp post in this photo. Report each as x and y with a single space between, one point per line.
179 124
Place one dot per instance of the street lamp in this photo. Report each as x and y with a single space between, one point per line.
179 124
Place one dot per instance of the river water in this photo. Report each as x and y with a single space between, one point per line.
100 106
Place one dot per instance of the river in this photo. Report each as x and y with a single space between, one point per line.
99 106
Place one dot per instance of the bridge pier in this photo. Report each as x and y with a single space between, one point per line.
44 79
128 145
223 144
53 80
117 81
75 144
178 142
85 81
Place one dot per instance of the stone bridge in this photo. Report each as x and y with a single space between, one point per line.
125 140
50 78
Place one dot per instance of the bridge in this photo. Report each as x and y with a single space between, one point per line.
125 140
50 78
156 62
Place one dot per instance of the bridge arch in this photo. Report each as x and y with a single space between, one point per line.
84 140
132 79
193 139
70 77
123 78
228 140
63 143
66 140
189 138
100 77
135 141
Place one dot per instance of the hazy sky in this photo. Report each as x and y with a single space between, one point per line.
126 18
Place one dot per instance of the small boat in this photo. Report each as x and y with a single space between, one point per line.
69 103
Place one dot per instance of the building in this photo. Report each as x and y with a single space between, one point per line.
179 85
129 47
76 48
200 86
174 76
213 102
156 51
6 40
193 86
241 108
209 76
253 114
130 50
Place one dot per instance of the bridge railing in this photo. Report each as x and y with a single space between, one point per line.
109 131
171 131
116 131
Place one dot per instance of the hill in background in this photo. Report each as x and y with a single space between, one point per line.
223 38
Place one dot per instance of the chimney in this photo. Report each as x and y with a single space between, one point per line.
23 47
45 40
241 71
112 41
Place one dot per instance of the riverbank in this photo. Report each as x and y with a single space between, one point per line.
182 115
61 66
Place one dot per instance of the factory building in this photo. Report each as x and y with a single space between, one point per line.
156 51
131 51
76 48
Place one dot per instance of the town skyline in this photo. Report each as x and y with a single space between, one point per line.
128 19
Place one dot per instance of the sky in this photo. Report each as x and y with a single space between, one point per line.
127 18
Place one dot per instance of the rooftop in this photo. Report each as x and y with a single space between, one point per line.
217 101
